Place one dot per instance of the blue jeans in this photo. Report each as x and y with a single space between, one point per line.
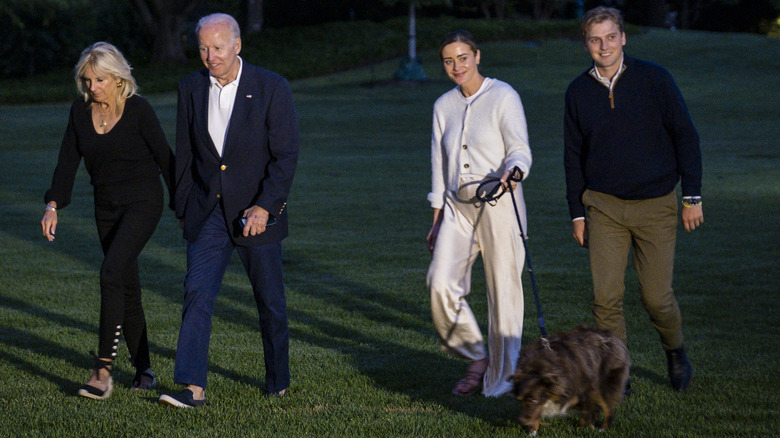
207 259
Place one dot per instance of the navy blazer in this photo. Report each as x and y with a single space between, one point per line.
258 159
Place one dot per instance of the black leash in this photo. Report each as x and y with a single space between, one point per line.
490 196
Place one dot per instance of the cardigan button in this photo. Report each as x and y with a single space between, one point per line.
223 167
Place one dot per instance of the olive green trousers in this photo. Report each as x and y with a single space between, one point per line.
648 229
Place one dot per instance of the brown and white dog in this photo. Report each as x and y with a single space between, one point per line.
583 369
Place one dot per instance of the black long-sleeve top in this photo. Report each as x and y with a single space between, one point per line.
636 144
131 154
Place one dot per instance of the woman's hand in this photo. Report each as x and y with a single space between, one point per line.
505 178
49 221
434 233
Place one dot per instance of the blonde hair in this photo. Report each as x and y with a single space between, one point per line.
598 15
105 59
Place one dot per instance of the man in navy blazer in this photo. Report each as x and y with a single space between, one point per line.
236 152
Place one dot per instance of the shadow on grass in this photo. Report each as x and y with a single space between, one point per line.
84 247
420 374
21 339
27 341
646 374
392 364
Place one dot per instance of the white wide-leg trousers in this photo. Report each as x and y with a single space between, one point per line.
469 228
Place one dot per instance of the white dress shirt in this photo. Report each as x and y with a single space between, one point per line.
221 100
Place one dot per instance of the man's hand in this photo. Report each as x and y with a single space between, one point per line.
580 232
256 221
692 217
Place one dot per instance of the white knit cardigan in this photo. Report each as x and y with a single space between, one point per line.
481 135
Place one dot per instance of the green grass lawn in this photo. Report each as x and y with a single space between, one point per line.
364 356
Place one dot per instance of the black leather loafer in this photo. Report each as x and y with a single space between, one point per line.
680 369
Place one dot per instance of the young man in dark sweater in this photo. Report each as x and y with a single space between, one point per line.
628 140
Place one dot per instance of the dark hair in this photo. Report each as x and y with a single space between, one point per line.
598 15
459 36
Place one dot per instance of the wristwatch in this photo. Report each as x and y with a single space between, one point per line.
691 201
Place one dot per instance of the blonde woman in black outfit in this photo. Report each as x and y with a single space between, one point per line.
124 149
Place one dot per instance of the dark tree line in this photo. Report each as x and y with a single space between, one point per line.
37 36
41 35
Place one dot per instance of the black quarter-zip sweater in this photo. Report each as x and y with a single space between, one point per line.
637 144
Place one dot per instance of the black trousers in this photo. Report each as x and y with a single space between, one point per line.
126 218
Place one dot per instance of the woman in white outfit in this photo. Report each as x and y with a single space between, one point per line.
479 131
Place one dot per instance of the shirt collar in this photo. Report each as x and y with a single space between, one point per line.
234 83
606 81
